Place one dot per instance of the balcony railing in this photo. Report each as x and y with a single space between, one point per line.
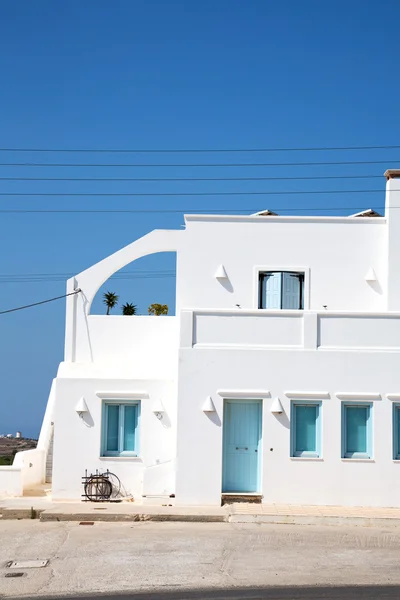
295 329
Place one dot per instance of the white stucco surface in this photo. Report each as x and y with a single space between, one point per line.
344 346
10 481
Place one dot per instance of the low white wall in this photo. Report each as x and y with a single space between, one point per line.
359 331
10 481
33 466
328 480
297 329
77 441
149 345
248 328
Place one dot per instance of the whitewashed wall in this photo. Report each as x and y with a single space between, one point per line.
10 481
77 441
337 253
147 346
329 480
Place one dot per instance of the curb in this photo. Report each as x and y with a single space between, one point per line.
8 514
131 517
316 520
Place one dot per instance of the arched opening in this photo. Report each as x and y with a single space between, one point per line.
145 281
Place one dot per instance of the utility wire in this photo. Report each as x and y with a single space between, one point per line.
285 164
188 178
186 211
54 277
10 310
131 194
196 150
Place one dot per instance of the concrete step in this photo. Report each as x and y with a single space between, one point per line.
230 498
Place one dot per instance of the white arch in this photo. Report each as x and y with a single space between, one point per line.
90 280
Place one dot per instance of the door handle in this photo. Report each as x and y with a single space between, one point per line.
241 448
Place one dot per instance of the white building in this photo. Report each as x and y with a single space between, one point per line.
278 376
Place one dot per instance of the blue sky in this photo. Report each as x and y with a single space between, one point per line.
171 75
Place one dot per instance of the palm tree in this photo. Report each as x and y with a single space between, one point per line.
110 300
158 309
129 309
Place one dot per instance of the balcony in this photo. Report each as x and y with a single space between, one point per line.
290 329
144 346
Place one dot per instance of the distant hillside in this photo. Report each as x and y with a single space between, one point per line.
8 446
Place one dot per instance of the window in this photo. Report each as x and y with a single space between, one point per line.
356 432
281 289
120 425
396 431
306 429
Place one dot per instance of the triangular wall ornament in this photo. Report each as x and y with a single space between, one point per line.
220 273
276 407
371 275
157 407
208 405
81 407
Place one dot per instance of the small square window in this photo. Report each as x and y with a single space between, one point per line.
120 428
281 289
356 431
306 430
396 431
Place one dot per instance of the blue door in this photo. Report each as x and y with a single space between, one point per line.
241 446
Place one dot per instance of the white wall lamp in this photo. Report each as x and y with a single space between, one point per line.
371 275
220 273
158 409
81 408
208 405
276 407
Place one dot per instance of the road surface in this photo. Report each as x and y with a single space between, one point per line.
215 561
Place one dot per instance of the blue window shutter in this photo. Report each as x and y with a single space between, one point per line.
272 290
112 427
130 421
306 428
396 432
356 439
291 290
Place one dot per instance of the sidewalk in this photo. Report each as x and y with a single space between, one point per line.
47 510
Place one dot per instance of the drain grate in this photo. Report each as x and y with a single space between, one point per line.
14 574
27 564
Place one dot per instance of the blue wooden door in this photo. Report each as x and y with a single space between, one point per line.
241 441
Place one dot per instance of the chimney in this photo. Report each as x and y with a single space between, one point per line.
392 214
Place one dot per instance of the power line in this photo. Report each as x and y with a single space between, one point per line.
10 310
188 178
187 211
285 164
173 194
196 150
55 277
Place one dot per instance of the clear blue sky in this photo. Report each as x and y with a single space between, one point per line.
171 75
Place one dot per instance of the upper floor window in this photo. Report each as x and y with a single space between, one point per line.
281 289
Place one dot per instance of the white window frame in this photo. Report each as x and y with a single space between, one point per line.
277 268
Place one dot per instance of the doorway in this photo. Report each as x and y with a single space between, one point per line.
241 446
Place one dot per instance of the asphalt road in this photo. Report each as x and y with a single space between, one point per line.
193 561
286 593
